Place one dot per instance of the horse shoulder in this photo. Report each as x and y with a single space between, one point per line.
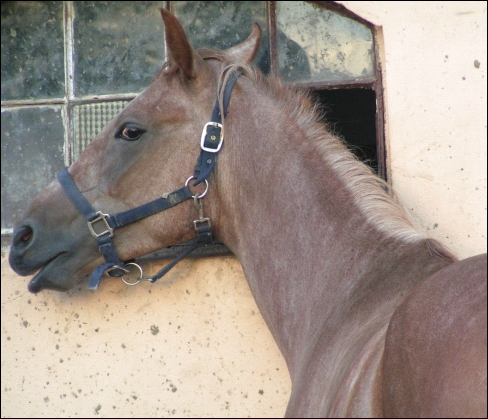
435 360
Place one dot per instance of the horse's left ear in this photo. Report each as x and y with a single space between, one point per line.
181 53
246 51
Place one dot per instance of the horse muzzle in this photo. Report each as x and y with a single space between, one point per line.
45 252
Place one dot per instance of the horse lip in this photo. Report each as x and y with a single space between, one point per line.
40 281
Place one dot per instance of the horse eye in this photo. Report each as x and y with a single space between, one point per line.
130 133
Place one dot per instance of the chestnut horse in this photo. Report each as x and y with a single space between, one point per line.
372 317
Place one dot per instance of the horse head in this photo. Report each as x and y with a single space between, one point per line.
148 150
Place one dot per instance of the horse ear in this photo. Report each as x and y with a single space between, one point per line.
246 51
181 53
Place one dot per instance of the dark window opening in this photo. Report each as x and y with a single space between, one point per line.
351 114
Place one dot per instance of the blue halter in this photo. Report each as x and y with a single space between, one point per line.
102 226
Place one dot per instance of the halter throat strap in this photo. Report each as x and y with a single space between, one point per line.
102 226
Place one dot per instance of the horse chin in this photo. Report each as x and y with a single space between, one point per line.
54 276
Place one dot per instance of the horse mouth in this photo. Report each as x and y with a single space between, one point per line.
52 276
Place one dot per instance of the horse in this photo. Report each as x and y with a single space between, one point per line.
373 317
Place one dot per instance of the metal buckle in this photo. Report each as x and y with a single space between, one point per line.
196 223
101 217
202 228
204 135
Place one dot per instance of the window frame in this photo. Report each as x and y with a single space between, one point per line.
374 83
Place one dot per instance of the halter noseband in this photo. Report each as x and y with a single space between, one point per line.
102 226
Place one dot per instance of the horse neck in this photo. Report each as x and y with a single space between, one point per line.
309 255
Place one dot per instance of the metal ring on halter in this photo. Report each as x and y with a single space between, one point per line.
138 279
204 192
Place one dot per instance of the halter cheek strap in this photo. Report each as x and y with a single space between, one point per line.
102 226
213 135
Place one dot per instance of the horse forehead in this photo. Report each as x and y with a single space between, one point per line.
158 92
156 100
165 93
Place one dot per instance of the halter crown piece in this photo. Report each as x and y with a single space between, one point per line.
102 226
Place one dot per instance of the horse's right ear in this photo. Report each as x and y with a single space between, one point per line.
246 51
181 53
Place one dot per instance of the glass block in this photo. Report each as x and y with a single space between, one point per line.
32 50
223 24
315 44
89 119
118 46
32 154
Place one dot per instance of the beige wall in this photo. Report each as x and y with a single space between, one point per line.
195 344
192 345
436 114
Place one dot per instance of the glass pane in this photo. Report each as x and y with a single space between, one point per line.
315 44
32 154
32 50
223 24
118 46
88 120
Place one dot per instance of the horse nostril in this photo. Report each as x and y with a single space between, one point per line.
27 235
23 235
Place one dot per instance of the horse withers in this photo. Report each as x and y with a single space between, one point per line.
372 317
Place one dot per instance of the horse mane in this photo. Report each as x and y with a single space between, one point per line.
373 196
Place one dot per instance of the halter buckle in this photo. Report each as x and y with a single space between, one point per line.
101 217
202 228
208 141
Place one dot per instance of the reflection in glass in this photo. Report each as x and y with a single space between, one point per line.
223 24
119 46
32 50
315 44
32 154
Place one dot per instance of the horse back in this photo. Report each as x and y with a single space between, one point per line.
435 359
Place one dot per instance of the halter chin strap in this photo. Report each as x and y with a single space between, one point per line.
102 226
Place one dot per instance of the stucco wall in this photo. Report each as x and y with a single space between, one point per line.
434 62
192 345
195 344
